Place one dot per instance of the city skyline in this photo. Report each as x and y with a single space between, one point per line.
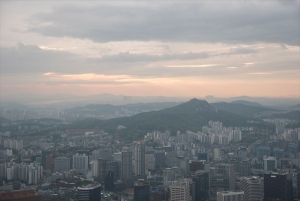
175 49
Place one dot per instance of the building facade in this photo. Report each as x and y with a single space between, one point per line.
230 196
252 187
139 159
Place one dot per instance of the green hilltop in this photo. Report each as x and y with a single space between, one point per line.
191 115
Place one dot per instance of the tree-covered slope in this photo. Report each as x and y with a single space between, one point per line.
241 109
192 115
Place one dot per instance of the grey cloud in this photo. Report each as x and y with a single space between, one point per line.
129 57
237 51
226 22
242 51
31 58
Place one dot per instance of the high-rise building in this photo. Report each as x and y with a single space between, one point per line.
201 181
242 154
252 187
196 166
298 185
170 158
244 168
217 154
180 190
275 186
160 159
19 145
45 153
141 190
203 156
109 181
104 166
227 170
62 164
149 162
105 154
49 162
168 175
230 195
94 168
126 163
139 159
117 156
81 162
270 164
113 166
91 192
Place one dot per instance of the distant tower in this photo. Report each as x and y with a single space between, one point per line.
126 164
109 181
45 153
139 156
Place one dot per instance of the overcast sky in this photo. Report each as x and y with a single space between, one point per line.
186 49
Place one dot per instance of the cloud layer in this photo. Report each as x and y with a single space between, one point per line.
218 21
224 48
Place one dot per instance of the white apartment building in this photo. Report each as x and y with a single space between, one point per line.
180 190
81 162
230 196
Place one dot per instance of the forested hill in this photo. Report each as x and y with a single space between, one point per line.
242 109
191 115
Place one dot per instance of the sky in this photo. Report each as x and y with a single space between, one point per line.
150 48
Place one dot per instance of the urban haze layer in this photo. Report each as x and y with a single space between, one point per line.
150 100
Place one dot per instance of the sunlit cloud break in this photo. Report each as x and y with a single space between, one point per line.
259 73
192 66
92 77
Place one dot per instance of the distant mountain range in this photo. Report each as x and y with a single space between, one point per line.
191 115
248 103
292 115
68 100
110 111
295 107
243 108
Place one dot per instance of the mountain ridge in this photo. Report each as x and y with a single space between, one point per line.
191 115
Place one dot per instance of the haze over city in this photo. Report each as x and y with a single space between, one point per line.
150 100
176 49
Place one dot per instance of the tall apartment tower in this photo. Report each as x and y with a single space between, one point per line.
275 186
139 159
81 162
62 164
252 187
126 164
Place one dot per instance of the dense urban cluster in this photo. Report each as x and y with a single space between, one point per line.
213 164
